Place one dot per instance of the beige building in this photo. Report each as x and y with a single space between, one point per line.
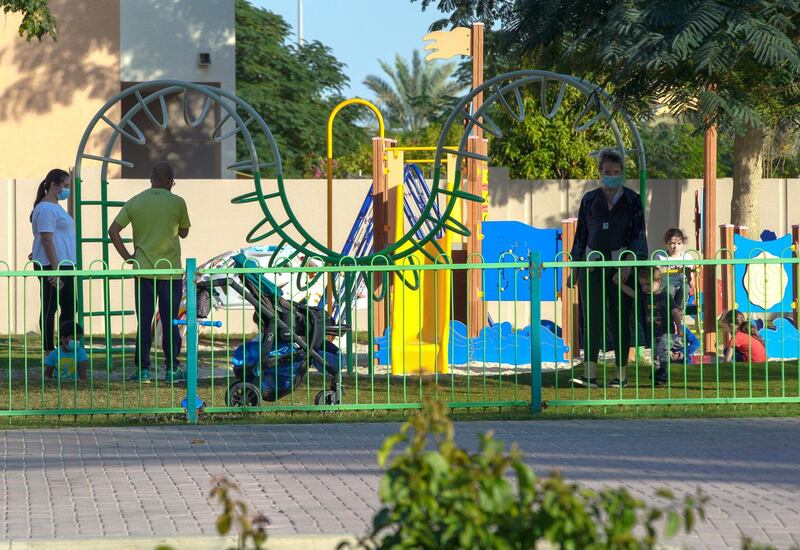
49 90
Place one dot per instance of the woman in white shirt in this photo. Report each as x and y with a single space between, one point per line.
54 248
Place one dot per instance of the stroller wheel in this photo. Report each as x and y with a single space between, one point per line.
327 397
243 394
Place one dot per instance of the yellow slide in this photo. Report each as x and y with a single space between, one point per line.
420 309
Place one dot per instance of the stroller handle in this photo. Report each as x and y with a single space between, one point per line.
182 322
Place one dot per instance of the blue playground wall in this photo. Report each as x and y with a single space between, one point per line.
499 343
512 241
783 341
746 249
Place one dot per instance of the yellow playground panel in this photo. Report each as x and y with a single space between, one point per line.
421 308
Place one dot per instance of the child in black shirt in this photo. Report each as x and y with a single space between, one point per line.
653 301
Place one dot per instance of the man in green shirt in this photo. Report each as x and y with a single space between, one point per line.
159 218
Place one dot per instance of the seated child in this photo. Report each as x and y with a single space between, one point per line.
653 301
683 347
69 360
744 343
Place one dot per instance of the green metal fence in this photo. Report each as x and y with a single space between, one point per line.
292 373
355 379
704 378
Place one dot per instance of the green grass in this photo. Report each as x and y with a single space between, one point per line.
472 393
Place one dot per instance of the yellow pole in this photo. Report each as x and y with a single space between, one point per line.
381 129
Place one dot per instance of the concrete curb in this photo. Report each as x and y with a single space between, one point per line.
200 542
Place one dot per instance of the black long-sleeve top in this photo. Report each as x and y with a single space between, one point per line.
635 236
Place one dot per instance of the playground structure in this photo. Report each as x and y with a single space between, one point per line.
413 223
386 270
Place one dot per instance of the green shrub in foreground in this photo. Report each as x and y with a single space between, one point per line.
437 495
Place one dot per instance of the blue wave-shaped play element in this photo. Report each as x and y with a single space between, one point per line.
783 342
499 343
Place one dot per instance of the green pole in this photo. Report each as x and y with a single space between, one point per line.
535 272
643 189
76 187
349 281
191 340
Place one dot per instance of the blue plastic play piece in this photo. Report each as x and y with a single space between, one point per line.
512 241
783 342
459 346
199 404
768 235
384 353
498 343
183 323
552 327
746 249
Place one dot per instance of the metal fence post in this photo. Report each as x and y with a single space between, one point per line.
191 340
535 270
350 279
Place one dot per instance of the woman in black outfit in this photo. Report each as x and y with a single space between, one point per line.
610 222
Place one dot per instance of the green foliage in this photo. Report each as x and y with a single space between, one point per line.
437 495
37 19
251 530
675 150
294 89
538 148
416 94
733 62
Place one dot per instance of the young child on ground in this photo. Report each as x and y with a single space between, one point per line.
680 282
70 360
744 343
653 301
683 346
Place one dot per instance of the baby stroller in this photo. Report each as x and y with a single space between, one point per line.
292 336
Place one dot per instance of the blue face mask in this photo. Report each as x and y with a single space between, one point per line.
71 345
64 195
612 182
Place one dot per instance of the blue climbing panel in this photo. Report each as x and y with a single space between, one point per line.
763 288
512 241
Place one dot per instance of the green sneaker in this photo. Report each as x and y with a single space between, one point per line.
177 375
143 377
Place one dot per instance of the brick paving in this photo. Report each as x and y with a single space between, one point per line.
309 479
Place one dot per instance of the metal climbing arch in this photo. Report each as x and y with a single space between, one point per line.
238 118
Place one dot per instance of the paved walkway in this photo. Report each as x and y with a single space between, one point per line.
323 479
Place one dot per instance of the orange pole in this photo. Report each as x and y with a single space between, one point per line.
476 175
726 232
476 50
709 273
380 223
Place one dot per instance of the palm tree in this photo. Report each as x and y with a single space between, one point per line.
414 95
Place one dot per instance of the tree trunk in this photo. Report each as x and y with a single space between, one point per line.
748 160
